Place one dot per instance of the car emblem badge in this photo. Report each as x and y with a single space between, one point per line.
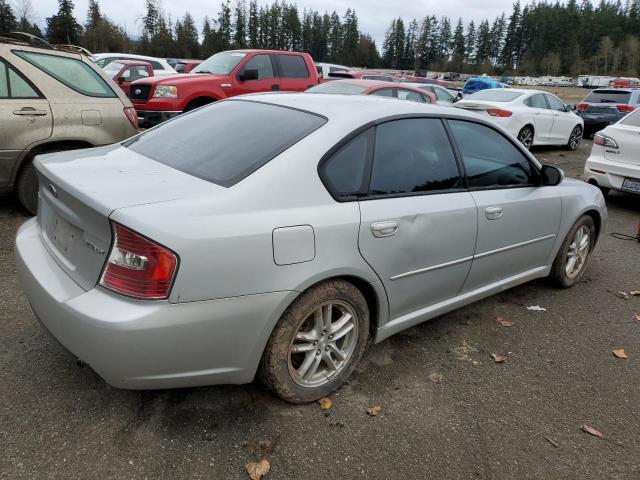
53 190
137 91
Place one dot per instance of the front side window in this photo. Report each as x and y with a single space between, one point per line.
136 72
555 103
73 73
345 170
262 63
443 95
490 159
247 136
385 92
536 101
412 156
411 96
293 66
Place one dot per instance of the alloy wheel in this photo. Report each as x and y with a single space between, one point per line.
574 138
323 344
525 137
578 252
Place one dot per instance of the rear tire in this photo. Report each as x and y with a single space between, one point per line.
525 136
572 258
27 187
317 342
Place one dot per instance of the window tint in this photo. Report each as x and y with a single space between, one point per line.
19 86
490 160
179 67
608 96
337 86
4 81
385 92
633 119
135 72
411 96
426 88
555 103
344 171
536 101
75 74
293 66
262 63
248 135
155 65
413 155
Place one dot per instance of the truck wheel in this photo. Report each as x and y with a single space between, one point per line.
317 342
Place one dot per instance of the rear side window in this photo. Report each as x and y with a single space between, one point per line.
633 119
246 136
293 66
73 73
490 160
608 96
385 92
13 85
345 170
411 156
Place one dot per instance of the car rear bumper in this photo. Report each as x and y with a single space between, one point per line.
609 174
137 344
151 118
596 122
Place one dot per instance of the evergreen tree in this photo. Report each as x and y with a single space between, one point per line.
63 27
409 58
470 43
8 22
240 26
458 46
253 25
350 38
187 42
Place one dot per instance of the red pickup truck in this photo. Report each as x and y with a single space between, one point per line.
223 75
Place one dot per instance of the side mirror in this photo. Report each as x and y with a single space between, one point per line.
551 176
569 108
249 74
121 79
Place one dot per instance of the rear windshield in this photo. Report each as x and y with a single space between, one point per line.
608 96
338 87
227 141
633 119
495 95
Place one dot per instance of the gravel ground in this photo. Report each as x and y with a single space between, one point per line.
520 419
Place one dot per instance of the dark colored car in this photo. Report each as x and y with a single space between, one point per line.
605 106
379 88
476 84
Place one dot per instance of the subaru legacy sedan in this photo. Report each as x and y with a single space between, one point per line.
277 234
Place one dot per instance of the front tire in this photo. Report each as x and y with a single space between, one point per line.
574 138
317 342
525 136
573 256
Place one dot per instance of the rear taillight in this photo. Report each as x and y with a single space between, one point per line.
604 140
581 107
497 112
137 266
131 114
625 108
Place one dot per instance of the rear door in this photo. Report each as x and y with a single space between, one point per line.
542 117
293 72
267 79
418 224
25 118
517 220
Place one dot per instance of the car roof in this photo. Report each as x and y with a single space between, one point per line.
366 83
129 55
418 85
133 62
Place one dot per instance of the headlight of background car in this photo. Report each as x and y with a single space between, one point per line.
166 91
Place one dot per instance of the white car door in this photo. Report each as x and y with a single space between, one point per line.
542 117
563 121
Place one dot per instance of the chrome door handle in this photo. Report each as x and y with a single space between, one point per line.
384 229
30 111
493 213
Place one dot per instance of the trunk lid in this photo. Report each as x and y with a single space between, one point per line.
481 106
80 189
628 139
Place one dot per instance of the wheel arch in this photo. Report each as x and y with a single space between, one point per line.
199 100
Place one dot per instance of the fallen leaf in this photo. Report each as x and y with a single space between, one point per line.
638 317
623 295
257 470
635 293
620 353
504 322
498 358
591 430
325 403
536 308
265 447
374 411
435 377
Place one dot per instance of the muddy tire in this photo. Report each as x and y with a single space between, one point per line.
573 256
27 187
317 342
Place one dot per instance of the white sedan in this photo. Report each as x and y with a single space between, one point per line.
534 117
615 156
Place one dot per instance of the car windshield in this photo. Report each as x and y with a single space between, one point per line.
113 68
338 87
608 96
494 95
248 134
221 63
633 119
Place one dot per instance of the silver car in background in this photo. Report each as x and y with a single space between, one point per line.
278 233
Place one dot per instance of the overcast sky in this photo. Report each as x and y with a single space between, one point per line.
374 16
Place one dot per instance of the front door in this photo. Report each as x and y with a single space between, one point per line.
25 118
418 225
563 121
266 81
517 220
542 117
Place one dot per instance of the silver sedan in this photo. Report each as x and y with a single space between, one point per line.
278 234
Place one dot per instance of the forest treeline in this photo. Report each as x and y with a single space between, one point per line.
536 38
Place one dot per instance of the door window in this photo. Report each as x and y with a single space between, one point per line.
293 66
536 101
443 95
411 96
262 63
555 103
4 81
385 92
345 170
490 160
13 85
411 156
136 72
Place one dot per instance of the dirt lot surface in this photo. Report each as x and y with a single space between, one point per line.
515 420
